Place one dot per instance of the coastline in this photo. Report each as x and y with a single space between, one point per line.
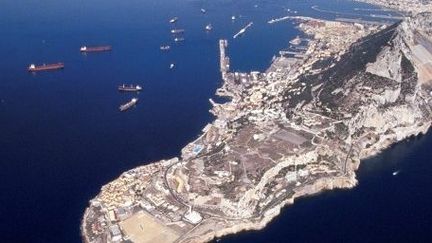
326 184
233 224
320 186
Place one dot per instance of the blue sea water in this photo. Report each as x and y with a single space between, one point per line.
62 136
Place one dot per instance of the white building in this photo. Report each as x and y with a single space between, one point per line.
192 217
115 232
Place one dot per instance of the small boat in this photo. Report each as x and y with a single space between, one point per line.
177 31
233 17
165 48
173 20
129 88
178 39
95 48
128 105
203 11
208 27
171 66
395 173
45 67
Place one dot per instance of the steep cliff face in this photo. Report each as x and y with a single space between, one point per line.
383 98
387 64
377 81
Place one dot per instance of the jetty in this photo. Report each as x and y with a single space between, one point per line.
272 21
242 31
224 60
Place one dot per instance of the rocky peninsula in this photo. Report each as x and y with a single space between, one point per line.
346 92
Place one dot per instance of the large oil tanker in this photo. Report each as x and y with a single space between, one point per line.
177 31
129 88
179 39
45 67
95 48
128 105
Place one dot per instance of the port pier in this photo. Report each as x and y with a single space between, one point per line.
224 59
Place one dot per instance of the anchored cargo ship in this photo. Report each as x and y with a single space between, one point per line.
165 48
45 67
129 88
177 31
128 105
95 48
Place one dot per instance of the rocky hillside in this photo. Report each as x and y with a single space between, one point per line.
376 84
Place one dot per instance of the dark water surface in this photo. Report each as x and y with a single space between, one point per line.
62 137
